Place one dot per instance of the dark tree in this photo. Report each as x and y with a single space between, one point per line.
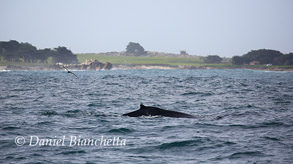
10 46
13 51
63 55
8 50
263 56
28 52
44 54
213 59
289 59
183 52
237 60
135 49
286 59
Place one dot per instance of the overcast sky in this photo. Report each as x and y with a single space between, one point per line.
201 27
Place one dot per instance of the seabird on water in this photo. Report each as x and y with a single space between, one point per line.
69 71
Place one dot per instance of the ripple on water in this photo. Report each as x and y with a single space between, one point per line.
49 113
242 115
121 131
197 93
181 144
10 128
246 154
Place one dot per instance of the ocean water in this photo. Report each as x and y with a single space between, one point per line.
242 116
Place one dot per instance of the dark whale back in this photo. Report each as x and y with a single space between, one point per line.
154 111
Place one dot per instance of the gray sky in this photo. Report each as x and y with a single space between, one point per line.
201 27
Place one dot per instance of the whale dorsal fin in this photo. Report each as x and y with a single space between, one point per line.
141 105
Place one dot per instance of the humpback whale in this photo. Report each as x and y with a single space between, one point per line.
154 111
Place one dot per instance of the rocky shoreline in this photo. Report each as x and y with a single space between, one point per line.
96 65
87 65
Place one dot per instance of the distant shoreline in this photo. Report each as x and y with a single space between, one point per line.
143 66
199 67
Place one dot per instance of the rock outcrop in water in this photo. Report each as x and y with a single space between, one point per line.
91 65
94 65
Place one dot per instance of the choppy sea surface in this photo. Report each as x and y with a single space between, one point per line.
242 116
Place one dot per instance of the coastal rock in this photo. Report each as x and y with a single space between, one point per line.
95 65
108 65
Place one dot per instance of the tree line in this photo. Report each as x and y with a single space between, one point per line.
264 56
13 51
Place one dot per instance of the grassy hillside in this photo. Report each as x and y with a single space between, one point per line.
193 61
163 60
128 60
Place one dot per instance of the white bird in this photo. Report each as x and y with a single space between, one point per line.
69 71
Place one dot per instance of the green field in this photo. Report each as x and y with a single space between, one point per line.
141 60
128 60
194 61
151 60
